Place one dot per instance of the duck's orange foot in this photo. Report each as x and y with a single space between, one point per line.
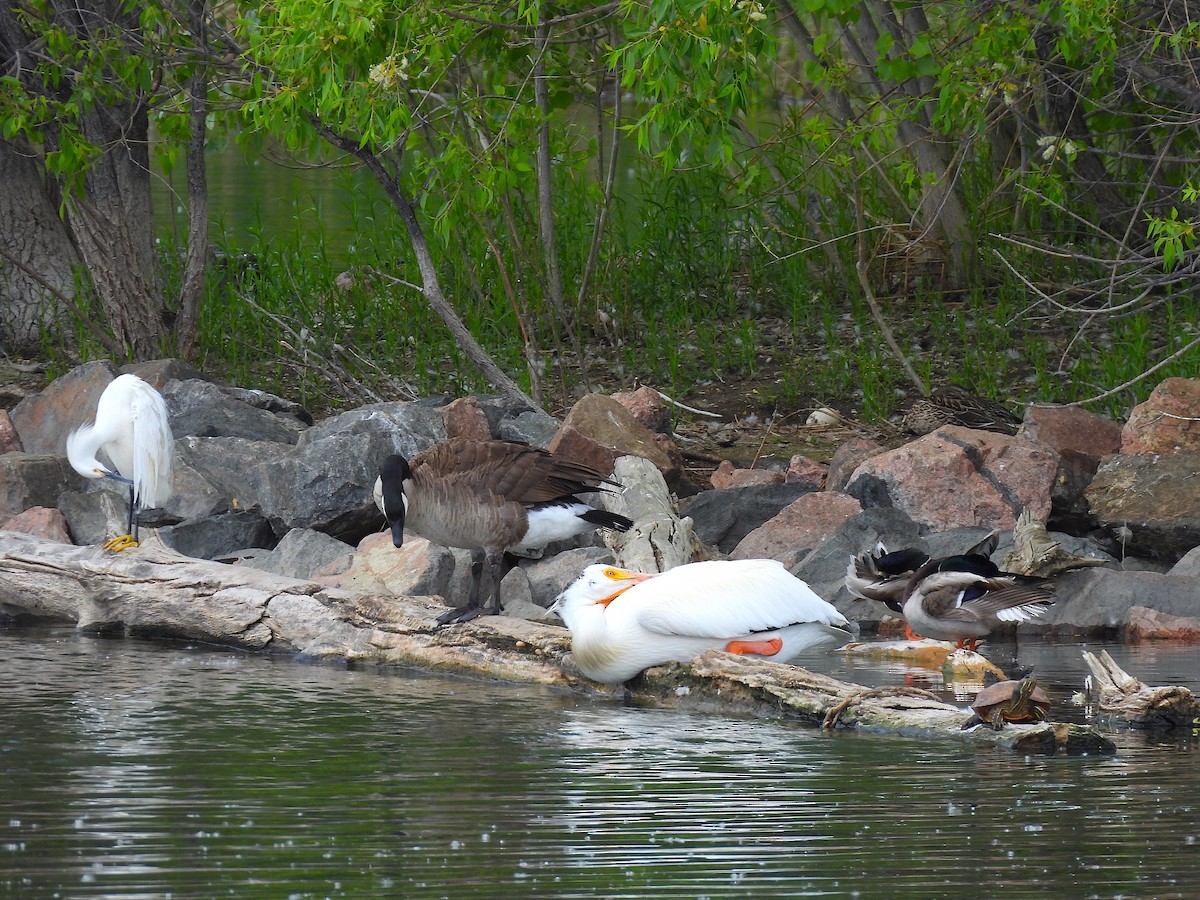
121 542
910 635
761 648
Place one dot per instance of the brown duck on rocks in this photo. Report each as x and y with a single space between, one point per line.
492 498
950 404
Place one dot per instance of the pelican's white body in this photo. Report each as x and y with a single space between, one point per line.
132 429
684 611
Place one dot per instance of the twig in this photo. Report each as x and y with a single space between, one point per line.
691 409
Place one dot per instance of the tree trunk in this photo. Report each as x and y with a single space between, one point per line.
153 590
36 254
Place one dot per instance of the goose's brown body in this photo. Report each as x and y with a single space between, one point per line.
490 497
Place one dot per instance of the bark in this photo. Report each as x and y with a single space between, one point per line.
1123 700
154 591
36 255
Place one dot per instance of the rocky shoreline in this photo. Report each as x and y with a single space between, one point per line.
259 484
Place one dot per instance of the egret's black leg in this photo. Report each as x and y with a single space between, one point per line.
133 518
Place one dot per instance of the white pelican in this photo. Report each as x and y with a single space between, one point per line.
133 431
489 497
622 622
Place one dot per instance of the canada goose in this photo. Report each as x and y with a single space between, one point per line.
950 601
489 497
622 622
133 431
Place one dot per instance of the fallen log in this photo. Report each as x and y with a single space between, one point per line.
154 591
1125 701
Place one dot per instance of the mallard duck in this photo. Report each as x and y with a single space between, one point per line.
133 430
622 622
884 576
950 404
490 497
947 600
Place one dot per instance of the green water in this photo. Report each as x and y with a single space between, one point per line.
160 770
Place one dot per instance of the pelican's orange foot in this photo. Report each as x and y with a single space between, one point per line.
762 648
122 542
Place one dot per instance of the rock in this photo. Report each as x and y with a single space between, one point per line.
722 518
1189 564
10 441
44 420
727 475
1100 601
39 521
33 479
598 429
301 553
418 568
529 427
803 470
1150 624
550 576
1072 428
201 408
213 537
848 457
1157 498
960 476
465 419
280 406
96 516
1168 422
647 408
158 372
802 525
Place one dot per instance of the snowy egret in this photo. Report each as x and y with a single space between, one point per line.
489 497
622 622
133 431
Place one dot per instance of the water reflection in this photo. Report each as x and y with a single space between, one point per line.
153 770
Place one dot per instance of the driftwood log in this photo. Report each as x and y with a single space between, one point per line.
659 539
153 591
1123 700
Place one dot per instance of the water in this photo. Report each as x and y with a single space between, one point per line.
134 769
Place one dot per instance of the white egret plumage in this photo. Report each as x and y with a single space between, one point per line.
132 430
622 622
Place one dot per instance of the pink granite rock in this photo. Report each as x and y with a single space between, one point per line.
466 420
728 475
1169 420
1152 624
848 457
803 470
376 567
647 408
44 420
39 521
1072 428
598 429
10 441
804 524
959 477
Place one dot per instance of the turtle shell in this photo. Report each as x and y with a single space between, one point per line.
992 696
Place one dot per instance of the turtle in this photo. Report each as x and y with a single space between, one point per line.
1009 701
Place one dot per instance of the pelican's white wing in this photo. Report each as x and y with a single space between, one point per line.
724 599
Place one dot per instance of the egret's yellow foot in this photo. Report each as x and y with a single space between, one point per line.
123 542
762 648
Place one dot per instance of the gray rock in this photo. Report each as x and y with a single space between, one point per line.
722 518
33 479
1098 601
528 427
1189 564
300 554
213 537
1157 497
94 517
204 409
550 576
